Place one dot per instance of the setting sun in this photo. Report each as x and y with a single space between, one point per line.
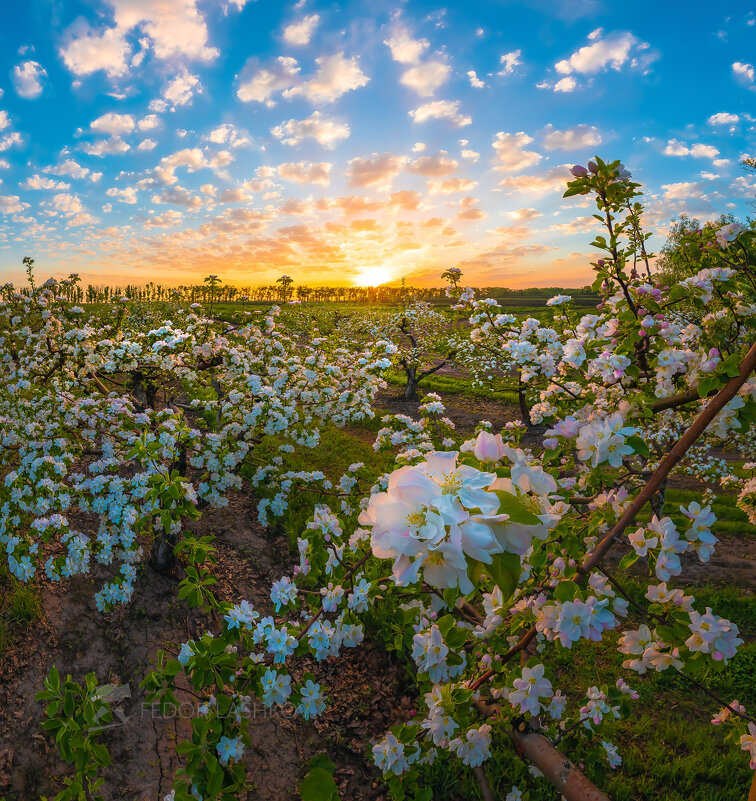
374 276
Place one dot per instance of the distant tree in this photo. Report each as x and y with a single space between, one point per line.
284 282
213 282
675 262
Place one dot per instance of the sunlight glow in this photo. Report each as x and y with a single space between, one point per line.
373 276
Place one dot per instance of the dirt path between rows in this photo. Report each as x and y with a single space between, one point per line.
365 688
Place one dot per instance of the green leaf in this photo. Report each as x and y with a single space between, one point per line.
505 569
707 385
628 559
512 506
172 667
322 761
318 785
565 591
638 445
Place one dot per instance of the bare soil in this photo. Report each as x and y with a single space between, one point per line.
365 688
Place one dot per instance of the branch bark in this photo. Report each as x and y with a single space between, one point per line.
560 771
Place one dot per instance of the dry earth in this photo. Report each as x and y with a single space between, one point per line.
365 688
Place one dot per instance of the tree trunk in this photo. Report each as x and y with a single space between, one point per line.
524 410
410 390
162 556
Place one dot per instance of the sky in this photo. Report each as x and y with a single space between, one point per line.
349 143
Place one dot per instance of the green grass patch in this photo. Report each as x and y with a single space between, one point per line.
19 606
731 521
451 385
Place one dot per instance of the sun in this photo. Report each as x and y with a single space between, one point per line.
373 276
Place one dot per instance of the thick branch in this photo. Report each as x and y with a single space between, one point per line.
673 401
560 771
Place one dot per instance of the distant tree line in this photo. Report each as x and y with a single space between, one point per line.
214 291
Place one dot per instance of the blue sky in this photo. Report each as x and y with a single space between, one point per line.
350 142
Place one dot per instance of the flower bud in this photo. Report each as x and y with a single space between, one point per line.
579 171
488 448
593 167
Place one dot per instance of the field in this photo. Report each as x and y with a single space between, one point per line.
667 743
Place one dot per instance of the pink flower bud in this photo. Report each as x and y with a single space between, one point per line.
579 171
488 448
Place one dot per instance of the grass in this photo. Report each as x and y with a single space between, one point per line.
19 606
451 385
731 521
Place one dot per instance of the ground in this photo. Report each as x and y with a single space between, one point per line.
367 689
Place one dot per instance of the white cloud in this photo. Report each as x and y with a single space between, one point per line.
475 81
509 61
28 79
336 75
267 81
8 140
522 215
723 118
114 146
165 220
426 78
510 153
88 51
149 123
40 182
611 52
181 90
172 28
228 134
323 130
676 148
300 32
113 124
404 48
127 195
684 190
178 196
306 172
441 110
744 71
83 218
554 180
470 155
436 166
146 144
12 204
567 84
378 170
4 120
67 203
449 186
574 138
191 158
68 167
